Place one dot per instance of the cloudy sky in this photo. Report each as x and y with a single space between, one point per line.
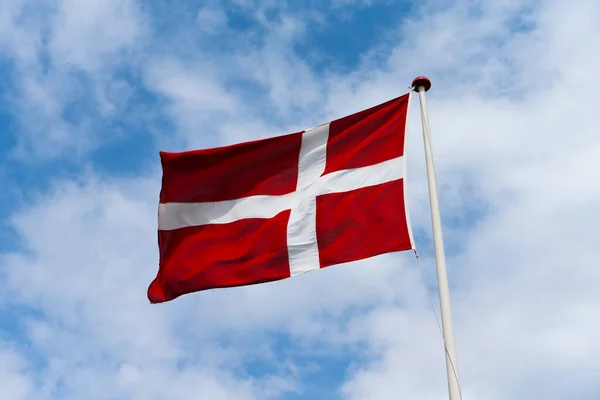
91 90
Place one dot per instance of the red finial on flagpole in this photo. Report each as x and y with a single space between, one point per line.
421 81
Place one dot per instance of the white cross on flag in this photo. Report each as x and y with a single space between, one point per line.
270 209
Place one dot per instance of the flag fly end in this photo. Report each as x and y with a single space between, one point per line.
421 81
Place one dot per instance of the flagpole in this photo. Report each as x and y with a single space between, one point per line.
421 85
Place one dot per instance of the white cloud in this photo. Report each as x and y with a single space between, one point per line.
16 384
192 90
99 334
64 55
89 35
212 18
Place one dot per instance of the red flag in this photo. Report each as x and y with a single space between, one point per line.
269 209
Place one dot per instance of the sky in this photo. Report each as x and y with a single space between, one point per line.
90 91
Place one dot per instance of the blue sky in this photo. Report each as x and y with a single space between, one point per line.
91 91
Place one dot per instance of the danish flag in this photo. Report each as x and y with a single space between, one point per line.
270 209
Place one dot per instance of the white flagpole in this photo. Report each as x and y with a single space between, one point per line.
422 84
